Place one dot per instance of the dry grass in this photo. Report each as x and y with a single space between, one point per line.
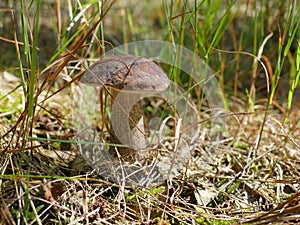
227 180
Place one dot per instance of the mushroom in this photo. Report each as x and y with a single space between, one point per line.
129 77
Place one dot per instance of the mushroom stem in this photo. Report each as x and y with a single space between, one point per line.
127 125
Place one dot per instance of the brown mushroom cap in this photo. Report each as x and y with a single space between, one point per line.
127 72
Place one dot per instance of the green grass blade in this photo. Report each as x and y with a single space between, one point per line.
220 29
32 81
